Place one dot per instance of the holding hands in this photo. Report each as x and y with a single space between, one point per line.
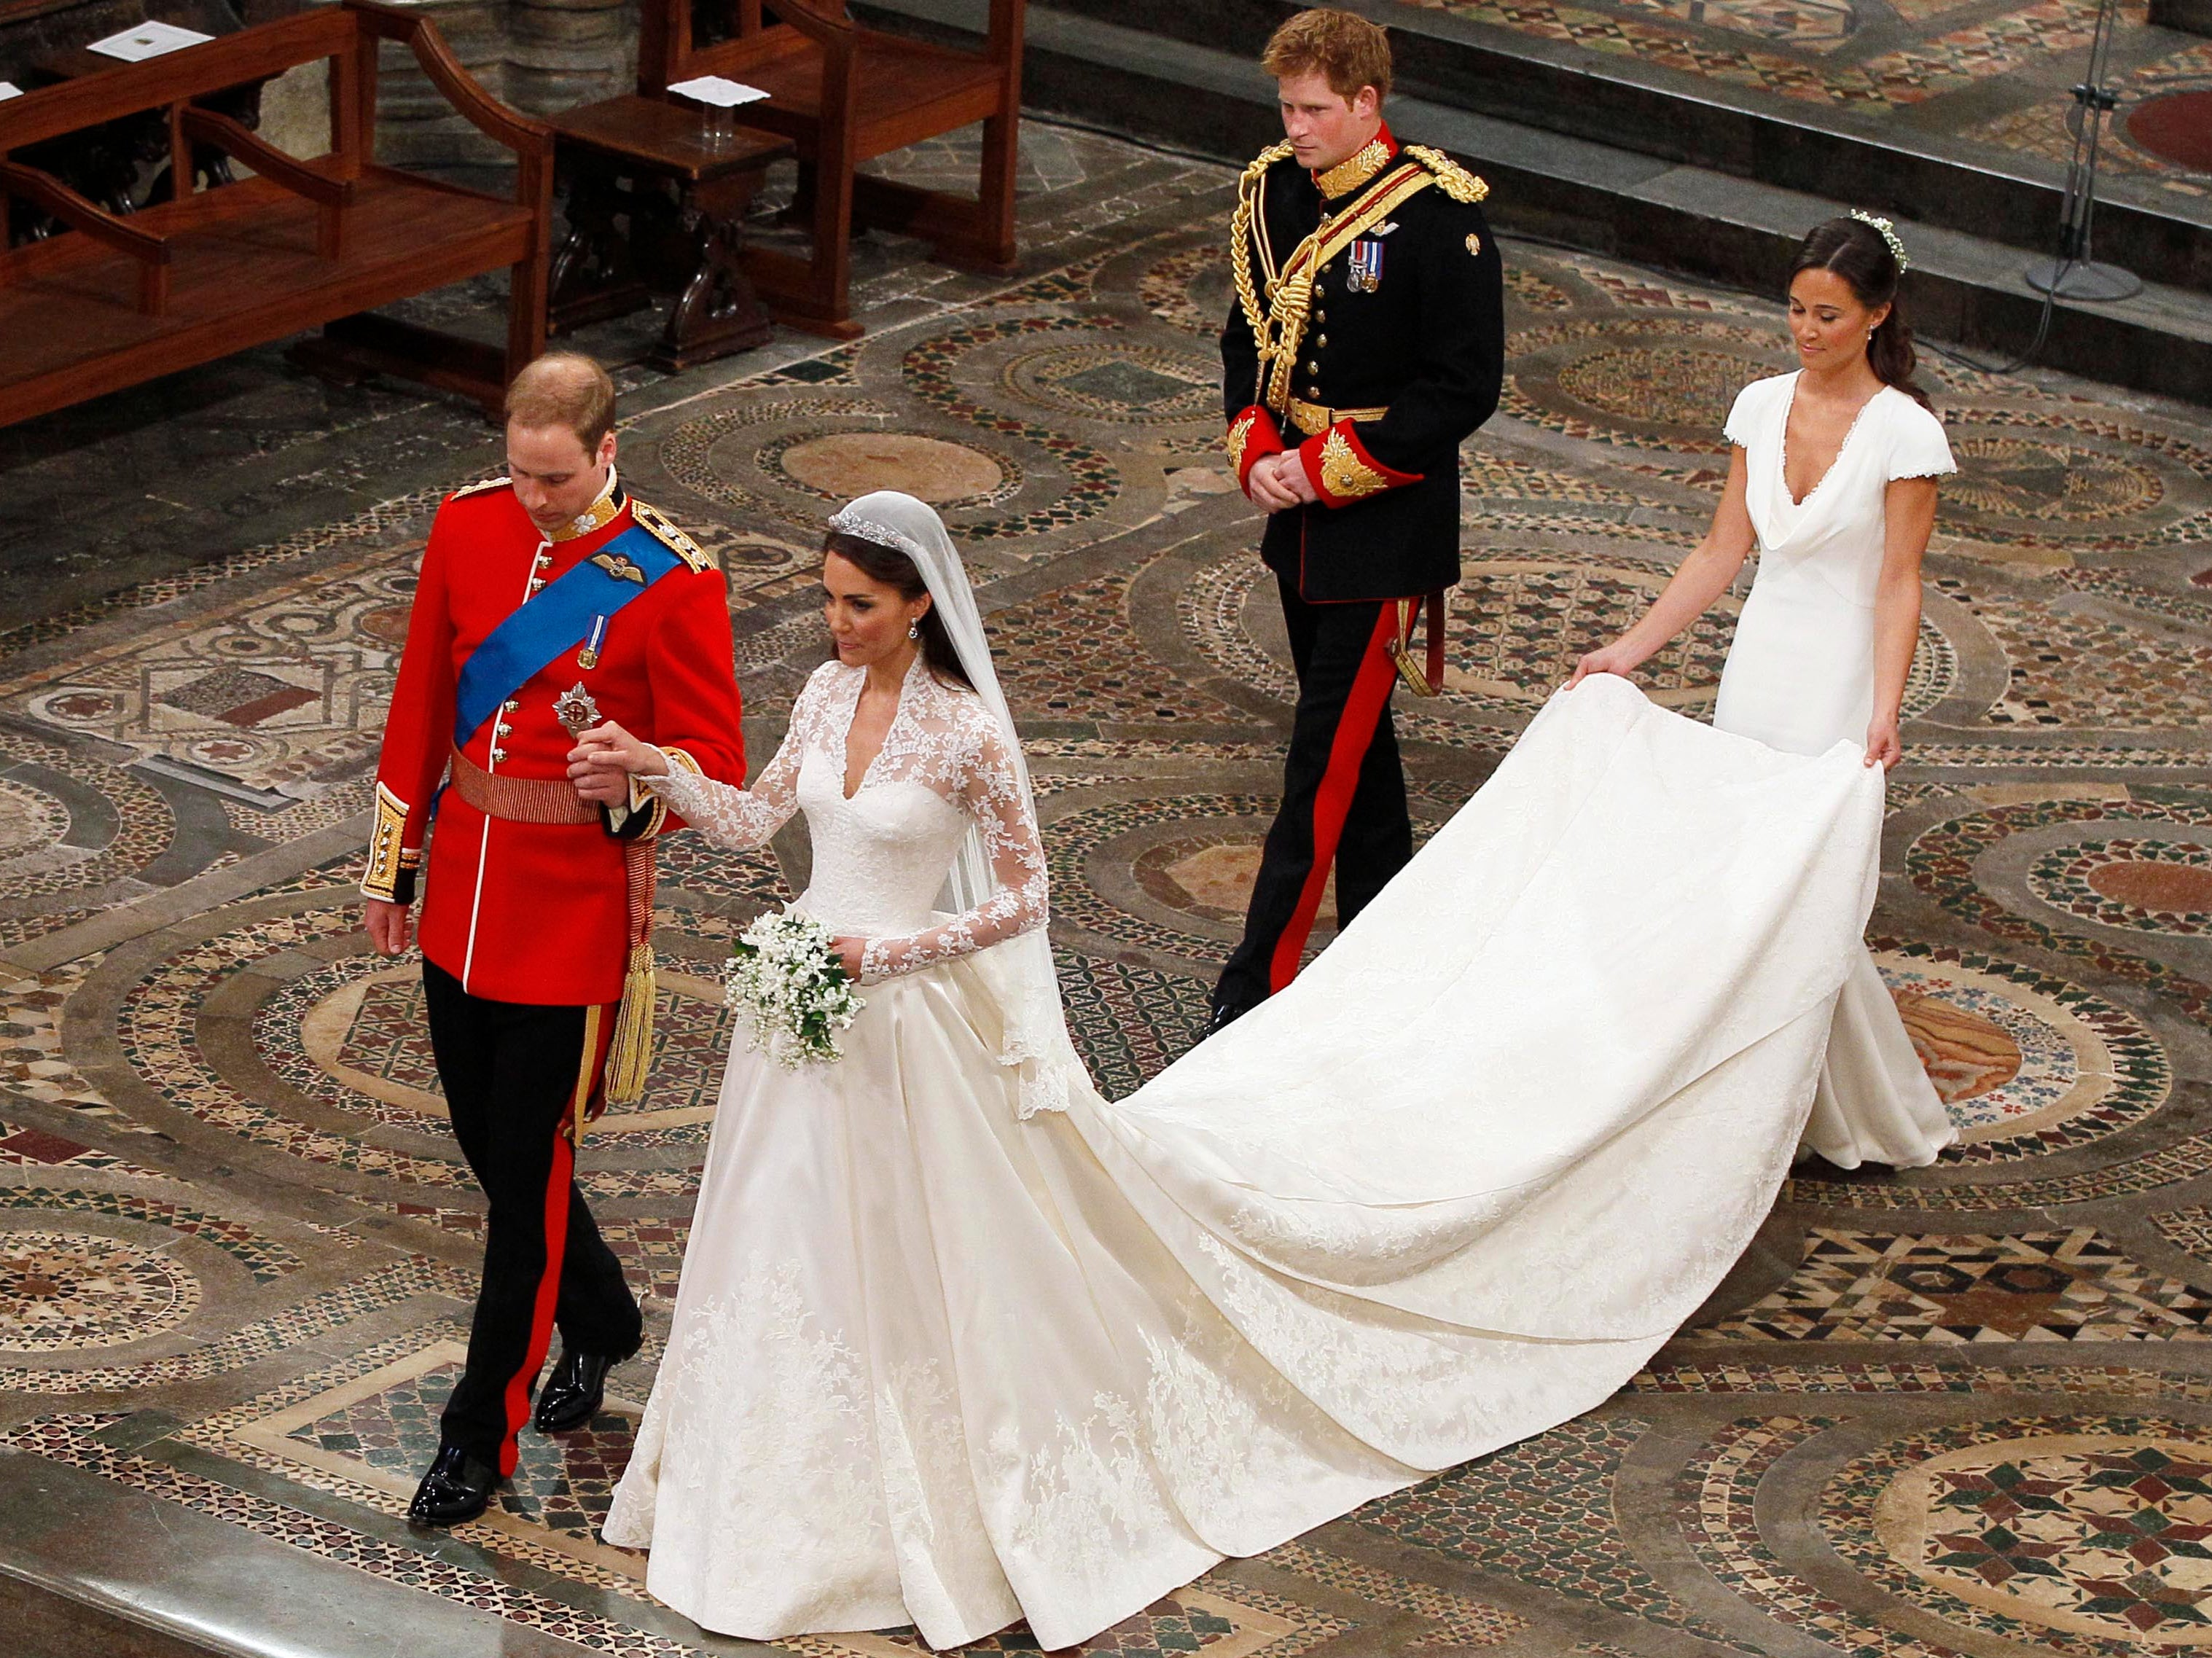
605 758
601 766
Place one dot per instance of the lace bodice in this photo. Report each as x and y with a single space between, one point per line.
881 856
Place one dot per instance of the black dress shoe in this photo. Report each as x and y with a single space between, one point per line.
572 1393
1225 1014
458 1488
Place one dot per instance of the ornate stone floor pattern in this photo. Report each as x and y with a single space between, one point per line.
1988 80
1966 1409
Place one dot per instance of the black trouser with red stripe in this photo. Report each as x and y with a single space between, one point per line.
513 1073
1344 792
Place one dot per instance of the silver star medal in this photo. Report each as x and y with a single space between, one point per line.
575 710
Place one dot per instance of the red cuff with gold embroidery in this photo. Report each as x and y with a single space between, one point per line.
1252 437
1341 470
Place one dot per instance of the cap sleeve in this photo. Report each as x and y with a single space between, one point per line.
1918 446
1744 416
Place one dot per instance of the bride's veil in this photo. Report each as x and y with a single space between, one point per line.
1020 971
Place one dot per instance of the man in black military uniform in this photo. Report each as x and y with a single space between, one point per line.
1365 341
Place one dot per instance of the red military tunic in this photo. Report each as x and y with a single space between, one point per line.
523 912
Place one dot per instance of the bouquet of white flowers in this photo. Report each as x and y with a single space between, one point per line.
787 976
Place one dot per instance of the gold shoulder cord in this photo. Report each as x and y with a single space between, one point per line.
1455 180
1293 294
1248 222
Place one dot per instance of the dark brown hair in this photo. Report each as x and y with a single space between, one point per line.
897 571
1859 254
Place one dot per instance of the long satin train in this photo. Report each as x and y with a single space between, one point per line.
935 1363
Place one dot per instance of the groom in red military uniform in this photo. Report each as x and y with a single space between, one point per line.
1365 341
547 598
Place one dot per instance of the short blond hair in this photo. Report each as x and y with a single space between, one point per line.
564 388
1351 52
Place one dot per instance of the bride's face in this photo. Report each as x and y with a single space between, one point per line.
868 619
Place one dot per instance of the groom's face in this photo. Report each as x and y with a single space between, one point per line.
555 478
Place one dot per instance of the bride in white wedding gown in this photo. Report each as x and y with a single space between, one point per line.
959 1342
1833 476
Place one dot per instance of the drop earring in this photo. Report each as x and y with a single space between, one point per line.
914 630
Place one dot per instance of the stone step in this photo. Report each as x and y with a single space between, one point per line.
1626 202
92 1568
1870 159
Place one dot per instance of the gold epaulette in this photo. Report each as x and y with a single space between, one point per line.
1266 159
1455 180
502 482
655 523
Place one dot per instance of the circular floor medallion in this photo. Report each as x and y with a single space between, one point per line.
71 1289
2168 888
1164 874
1209 877
1681 386
1642 381
385 624
2025 477
2176 127
2144 885
2052 477
355 1034
843 464
1138 384
2088 1535
1966 1053
2025 1063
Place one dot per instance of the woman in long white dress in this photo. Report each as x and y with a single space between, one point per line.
958 1342
1833 476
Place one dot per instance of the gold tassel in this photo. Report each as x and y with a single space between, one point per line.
631 1050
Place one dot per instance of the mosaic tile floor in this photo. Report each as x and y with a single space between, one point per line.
1964 1410
1987 78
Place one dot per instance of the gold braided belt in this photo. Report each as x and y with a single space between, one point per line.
1315 418
520 800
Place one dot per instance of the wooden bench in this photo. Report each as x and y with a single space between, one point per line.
846 94
115 299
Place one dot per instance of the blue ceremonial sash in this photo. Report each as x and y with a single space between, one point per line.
559 617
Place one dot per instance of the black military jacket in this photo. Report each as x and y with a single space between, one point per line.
1403 344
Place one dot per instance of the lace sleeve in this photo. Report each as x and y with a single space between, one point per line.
737 820
991 794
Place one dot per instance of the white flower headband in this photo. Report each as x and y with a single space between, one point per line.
1888 234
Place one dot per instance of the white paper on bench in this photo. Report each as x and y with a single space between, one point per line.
147 40
717 90
9 89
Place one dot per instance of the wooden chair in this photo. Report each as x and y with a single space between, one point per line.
114 300
845 94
